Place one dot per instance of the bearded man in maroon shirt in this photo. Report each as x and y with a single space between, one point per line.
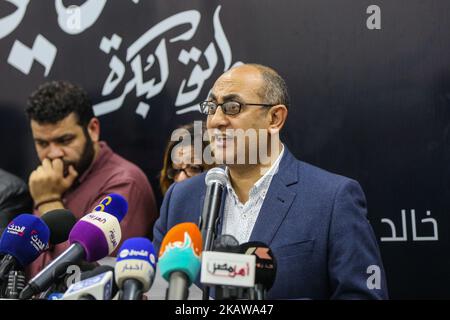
78 170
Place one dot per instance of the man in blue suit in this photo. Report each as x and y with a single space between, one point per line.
314 221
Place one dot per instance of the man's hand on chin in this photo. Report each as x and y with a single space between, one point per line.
47 184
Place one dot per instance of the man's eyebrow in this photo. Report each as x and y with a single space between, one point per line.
63 137
231 96
212 96
227 97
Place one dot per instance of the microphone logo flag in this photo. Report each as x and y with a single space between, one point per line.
16 230
186 244
37 243
228 269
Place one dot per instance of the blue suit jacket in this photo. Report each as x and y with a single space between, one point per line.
315 223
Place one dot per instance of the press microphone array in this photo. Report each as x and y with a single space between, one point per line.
92 238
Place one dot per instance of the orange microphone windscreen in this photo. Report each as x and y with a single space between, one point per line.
176 237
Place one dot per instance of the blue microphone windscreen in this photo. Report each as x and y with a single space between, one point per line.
114 204
139 249
25 238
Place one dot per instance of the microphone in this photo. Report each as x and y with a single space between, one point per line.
23 240
60 222
97 284
216 180
15 284
92 238
179 259
226 243
266 267
135 268
227 269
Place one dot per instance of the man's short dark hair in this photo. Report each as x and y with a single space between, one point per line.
53 101
274 90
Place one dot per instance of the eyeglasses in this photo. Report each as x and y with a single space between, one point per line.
229 107
189 171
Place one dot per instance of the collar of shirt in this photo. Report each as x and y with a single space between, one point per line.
261 186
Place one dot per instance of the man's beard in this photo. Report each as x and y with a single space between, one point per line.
85 161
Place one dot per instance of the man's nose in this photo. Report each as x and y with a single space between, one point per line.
218 119
55 152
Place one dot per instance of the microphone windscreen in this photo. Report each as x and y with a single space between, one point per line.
216 175
99 233
180 251
97 271
266 264
226 243
60 222
25 238
136 260
114 204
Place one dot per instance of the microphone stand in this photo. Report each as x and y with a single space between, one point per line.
209 221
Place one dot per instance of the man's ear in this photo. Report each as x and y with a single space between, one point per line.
93 128
277 117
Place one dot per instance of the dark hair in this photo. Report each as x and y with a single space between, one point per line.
53 101
164 181
274 90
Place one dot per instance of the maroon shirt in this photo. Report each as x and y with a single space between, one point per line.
109 173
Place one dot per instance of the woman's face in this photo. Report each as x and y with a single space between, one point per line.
184 164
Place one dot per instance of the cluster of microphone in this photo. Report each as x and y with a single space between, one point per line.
189 253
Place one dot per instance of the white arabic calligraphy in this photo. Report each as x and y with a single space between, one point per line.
10 23
404 236
151 88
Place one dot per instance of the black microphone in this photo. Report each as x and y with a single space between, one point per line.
60 222
15 284
226 243
266 267
216 180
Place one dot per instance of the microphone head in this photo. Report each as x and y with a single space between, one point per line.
266 264
180 251
216 175
97 271
114 204
25 238
99 233
226 243
60 222
136 260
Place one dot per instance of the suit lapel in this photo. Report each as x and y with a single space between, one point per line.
278 200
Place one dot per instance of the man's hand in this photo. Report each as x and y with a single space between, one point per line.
47 182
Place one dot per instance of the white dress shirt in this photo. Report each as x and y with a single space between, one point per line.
238 218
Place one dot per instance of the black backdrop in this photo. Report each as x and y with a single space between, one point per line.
369 104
